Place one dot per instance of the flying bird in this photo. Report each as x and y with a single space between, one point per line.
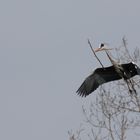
103 75
106 74
119 69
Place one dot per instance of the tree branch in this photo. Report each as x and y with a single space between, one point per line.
95 53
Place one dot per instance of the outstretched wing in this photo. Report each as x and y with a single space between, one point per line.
97 78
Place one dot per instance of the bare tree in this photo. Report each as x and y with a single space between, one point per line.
113 114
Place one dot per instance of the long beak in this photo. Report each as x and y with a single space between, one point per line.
102 49
97 49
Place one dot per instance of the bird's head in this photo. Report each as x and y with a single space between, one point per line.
102 47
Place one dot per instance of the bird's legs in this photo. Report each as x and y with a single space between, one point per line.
128 87
132 85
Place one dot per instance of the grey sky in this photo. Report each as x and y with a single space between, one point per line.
44 57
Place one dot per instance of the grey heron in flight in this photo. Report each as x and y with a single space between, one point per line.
119 69
107 74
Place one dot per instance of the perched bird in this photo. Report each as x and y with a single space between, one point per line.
107 74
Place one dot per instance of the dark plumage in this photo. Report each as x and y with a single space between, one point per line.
107 74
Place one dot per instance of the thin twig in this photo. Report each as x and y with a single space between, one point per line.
95 53
125 45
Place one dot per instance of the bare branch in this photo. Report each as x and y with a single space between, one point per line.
95 53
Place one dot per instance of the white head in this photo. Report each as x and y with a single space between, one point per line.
102 47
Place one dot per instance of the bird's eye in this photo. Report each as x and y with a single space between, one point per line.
102 45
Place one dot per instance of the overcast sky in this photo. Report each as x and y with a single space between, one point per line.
44 57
